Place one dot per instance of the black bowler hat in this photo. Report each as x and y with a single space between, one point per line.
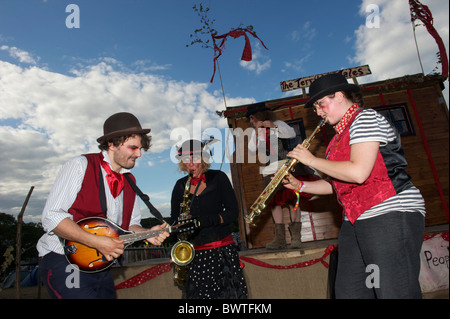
121 124
255 108
329 84
192 147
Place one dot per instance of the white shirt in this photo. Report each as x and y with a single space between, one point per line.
63 195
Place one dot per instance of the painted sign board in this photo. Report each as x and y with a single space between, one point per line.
306 81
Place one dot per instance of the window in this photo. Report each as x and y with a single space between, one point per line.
398 116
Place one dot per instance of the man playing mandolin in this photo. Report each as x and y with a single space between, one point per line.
93 185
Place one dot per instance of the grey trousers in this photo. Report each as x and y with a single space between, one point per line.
380 257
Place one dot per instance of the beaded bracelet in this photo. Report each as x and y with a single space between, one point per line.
299 189
300 186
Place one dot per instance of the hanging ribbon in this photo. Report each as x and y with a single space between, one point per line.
423 13
144 276
236 33
311 262
157 270
444 236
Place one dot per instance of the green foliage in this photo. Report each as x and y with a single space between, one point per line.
438 64
31 232
206 28
203 35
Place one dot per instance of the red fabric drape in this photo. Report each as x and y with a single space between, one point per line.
311 262
157 270
144 276
423 13
236 33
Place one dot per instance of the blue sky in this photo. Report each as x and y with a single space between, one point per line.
59 84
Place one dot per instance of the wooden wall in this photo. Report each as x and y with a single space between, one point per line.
426 152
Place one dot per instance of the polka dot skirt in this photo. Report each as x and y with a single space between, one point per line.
216 274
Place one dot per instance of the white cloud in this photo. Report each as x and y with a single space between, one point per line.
47 117
305 34
390 49
147 65
308 32
295 35
297 64
259 62
22 56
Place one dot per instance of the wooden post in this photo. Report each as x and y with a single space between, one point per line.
19 242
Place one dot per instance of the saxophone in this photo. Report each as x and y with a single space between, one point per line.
268 192
183 251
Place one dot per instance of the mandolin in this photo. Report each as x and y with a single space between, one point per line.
91 260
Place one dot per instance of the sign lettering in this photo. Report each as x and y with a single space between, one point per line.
306 81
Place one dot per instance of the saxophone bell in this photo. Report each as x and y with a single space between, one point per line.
182 253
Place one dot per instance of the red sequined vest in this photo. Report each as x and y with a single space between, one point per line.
357 198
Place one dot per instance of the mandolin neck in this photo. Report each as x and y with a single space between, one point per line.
131 238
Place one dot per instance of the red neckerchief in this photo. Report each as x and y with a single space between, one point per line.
115 180
195 180
340 127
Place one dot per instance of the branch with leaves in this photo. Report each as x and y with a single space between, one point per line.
211 36
206 29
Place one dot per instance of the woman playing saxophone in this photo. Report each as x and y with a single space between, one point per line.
215 271
383 211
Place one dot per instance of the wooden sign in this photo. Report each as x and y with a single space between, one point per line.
306 81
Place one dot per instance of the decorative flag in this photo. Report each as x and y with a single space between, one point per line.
235 33
421 12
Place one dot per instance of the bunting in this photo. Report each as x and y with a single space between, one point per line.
422 12
235 33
